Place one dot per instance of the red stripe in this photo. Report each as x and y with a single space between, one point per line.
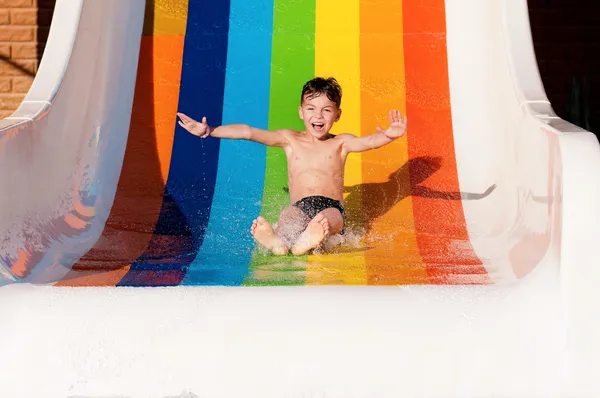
439 220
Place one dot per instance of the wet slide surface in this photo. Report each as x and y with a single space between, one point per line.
184 206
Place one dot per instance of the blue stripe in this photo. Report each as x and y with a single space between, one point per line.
227 248
190 186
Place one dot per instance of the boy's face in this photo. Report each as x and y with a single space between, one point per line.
319 114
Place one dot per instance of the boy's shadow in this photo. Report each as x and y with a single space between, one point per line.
367 202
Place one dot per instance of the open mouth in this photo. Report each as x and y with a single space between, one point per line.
318 126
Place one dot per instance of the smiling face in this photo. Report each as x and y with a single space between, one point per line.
319 113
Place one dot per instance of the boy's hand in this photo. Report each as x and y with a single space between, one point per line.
397 125
200 129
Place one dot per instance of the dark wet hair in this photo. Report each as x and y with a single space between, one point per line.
319 86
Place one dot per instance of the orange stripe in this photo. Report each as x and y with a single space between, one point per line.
387 208
165 17
145 168
441 228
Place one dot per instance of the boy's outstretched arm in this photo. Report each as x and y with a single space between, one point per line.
233 132
383 137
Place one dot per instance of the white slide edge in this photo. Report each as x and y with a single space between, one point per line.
61 151
579 251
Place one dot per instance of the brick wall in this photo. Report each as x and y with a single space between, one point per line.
566 36
24 26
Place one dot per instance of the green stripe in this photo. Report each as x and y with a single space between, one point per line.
292 64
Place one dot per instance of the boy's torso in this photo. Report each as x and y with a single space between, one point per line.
315 168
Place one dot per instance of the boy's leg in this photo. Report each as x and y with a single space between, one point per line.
327 222
292 221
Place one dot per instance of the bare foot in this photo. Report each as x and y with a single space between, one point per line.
264 234
313 235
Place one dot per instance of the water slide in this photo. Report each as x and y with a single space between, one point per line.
469 268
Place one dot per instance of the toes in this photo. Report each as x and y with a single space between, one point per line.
319 217
258 222
280 251
325 224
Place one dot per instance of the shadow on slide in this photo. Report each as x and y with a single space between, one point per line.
404 182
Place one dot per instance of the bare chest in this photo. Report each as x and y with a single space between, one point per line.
326 154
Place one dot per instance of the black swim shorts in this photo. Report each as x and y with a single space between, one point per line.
313 205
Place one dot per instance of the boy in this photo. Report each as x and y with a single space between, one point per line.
315 161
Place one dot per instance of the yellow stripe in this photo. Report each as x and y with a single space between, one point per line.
337 54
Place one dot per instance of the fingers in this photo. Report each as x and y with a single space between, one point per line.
398 124
185 118
187 127
403 121
395 116
191 125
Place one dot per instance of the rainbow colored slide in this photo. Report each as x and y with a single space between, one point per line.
476 232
